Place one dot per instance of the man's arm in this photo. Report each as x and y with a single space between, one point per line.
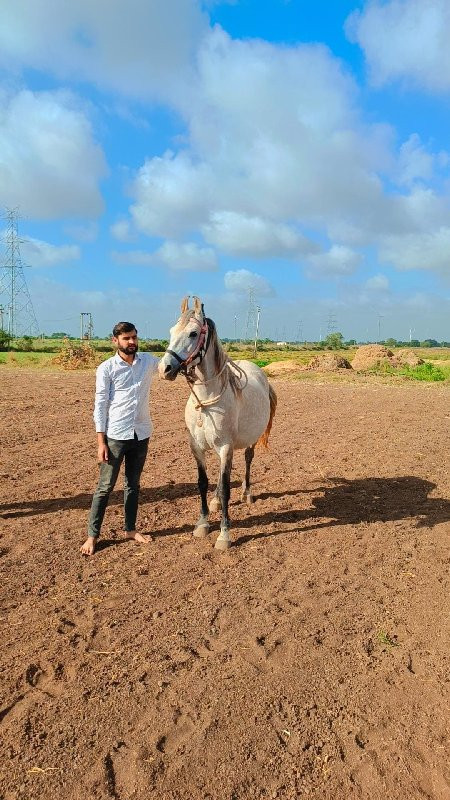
102 390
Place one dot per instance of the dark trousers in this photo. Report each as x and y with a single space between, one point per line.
134 453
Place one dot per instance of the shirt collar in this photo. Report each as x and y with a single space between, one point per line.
119 360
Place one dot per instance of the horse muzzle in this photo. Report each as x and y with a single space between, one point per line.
168 368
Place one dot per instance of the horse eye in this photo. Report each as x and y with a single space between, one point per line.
193 334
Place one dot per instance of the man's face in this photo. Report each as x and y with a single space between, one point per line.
127 343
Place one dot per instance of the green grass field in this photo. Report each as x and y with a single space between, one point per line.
437 367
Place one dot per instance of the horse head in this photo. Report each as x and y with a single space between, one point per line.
187 341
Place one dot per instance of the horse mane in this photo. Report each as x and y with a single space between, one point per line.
220 355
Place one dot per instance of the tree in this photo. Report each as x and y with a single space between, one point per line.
429 343
334 341
4 339
391 342
25 344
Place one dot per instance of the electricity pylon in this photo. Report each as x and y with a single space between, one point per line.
14 295
251 315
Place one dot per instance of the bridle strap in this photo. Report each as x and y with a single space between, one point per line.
205 335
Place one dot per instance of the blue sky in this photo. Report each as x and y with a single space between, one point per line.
298 148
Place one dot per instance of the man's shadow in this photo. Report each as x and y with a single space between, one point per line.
49 505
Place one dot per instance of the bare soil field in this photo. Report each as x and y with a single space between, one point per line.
310 660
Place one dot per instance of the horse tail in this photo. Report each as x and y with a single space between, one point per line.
264 438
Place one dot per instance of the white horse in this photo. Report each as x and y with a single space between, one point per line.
231 407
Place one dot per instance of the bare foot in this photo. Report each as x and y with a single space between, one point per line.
88 547
138 537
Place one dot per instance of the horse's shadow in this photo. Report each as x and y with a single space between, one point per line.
352 502
339 502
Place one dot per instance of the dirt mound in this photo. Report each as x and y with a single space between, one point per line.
282 368
371 355
406 358
329 362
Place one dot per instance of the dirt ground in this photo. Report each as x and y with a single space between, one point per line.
310 660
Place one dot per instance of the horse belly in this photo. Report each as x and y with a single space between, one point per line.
254 415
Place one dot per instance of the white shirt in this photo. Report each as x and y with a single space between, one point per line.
122 391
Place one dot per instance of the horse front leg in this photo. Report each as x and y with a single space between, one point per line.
223 541
202 526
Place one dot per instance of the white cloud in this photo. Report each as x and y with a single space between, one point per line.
44 254
310 163
139 48
187 255
378 283
424 250
174 255
338 260
242 280
86 232
405 39
271 139
172 195
240 234
414 161
50 165
122 231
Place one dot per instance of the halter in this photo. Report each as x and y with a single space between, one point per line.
206 329
200 350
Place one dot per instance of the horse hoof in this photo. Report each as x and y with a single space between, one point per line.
248 498
222 544
215 504
201 532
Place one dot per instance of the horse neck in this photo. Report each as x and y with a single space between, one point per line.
213 361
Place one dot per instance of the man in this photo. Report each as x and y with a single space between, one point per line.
123 426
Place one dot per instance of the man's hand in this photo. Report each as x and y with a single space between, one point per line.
102 453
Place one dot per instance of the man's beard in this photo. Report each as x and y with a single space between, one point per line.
129 351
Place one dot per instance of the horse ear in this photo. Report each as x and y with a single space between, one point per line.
185 304
198 306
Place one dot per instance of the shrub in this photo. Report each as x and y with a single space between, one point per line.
152 346
73 356
24 344
424 372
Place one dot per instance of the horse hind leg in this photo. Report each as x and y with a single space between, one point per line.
246 490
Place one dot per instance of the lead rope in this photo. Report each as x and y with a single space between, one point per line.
201 404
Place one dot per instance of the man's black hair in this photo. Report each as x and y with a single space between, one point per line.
123 327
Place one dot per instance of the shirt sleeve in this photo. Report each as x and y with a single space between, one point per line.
153 363
102 389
